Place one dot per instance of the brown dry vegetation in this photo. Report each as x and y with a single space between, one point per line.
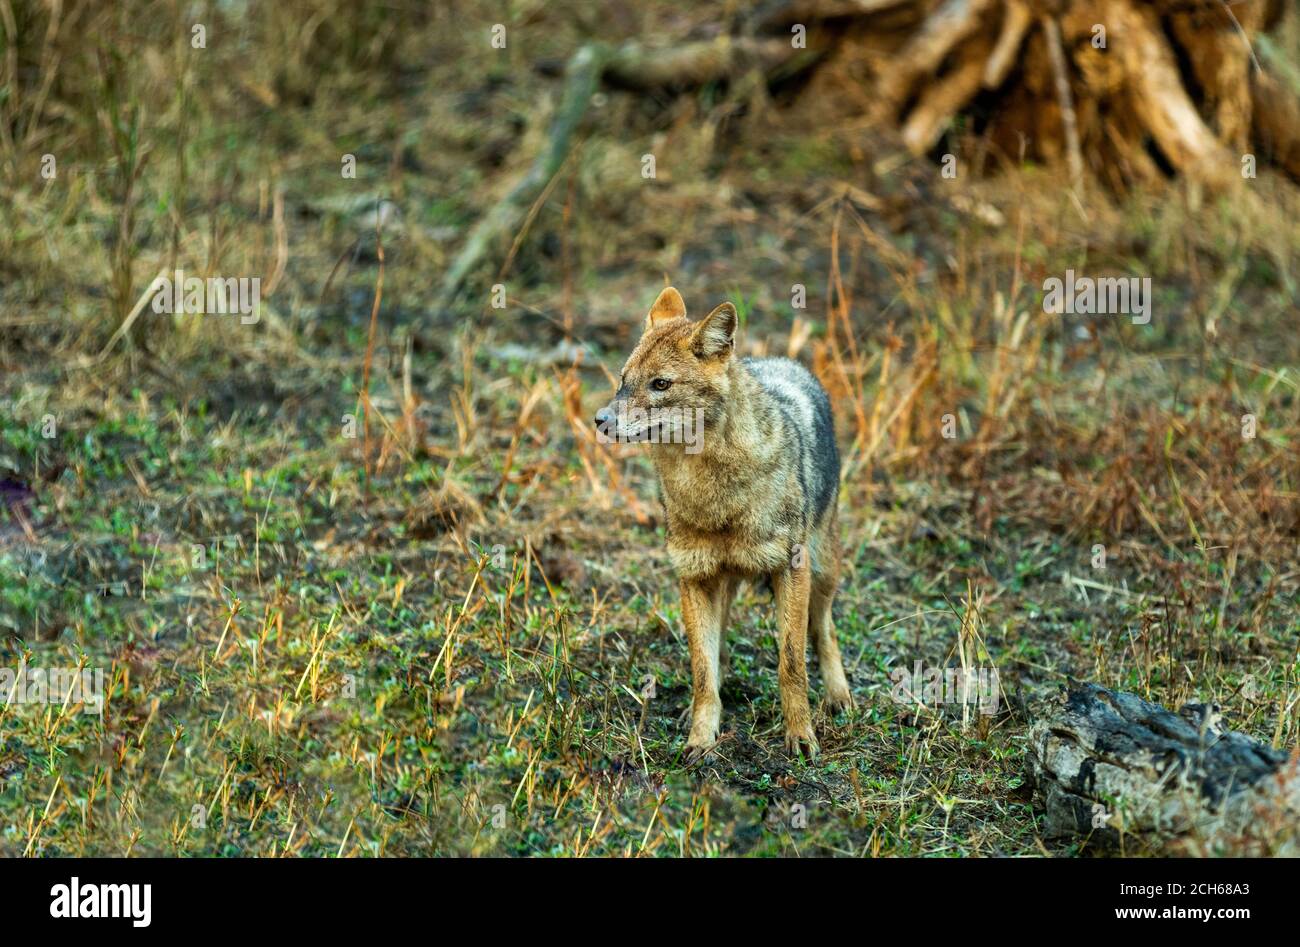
437 636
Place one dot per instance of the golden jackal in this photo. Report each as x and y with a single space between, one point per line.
746 457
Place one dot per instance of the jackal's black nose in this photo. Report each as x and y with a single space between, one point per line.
603 417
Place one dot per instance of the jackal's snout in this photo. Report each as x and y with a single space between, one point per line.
605 418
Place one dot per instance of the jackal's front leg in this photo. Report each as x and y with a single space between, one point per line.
792 587
702 607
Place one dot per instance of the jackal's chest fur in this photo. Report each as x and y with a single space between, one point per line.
741 518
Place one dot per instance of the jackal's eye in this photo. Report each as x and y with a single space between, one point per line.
661 384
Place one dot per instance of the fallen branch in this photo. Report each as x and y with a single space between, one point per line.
581 79
632 65
688 65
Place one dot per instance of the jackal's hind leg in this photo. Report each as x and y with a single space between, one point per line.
822 631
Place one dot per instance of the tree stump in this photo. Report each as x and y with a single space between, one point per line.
1093 82
1108 764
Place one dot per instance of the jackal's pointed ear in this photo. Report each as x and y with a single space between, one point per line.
669 305
716 333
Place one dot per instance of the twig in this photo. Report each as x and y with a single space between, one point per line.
129 321
1064 98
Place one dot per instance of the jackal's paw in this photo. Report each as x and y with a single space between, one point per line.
701 747
838 697
800 741
705 724
697 754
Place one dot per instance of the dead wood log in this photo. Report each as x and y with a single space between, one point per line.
1015 23
926 49
1108 763
1276 116
943 98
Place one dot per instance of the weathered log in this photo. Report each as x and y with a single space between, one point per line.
926 49
943 98
1015 24
1108 763
1276 117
